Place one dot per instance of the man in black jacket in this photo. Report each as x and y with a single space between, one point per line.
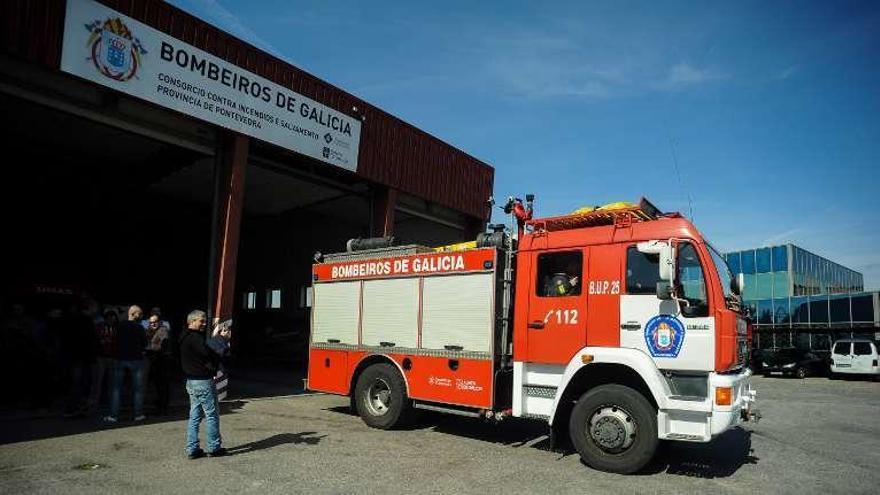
131 342
200 358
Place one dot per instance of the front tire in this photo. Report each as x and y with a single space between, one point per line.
801 372
614 429
380 397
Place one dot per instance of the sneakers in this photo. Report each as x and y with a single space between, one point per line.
196 454
218 453
110 419
140 417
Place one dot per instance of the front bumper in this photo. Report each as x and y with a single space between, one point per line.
700 421
778 369
742 407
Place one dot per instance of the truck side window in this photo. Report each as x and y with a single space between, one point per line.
691 283
642 272
559 274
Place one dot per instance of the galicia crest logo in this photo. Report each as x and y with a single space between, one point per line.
113 49
664 336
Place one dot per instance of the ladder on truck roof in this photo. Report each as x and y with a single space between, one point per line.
623 216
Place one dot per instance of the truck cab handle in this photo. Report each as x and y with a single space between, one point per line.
536 324
333 341
387 344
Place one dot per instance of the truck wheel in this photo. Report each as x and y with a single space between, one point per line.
800 372
614 429
380 396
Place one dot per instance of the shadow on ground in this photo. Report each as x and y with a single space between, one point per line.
305 437
720 458
22 424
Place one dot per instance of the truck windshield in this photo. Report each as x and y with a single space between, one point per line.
725 275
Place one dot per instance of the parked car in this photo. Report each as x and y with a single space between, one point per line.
757 357
792 361
855 356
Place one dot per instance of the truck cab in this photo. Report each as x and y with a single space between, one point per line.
653 307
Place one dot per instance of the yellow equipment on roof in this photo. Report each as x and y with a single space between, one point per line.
459 246
616 206
584 210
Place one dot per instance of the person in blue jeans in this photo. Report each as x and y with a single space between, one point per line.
131 342
200 359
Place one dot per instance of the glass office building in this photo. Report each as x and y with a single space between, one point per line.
788 286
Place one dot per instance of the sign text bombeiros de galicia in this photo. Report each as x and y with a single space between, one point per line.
108 48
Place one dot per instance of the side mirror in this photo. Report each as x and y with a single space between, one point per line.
664 291
738 285
666 253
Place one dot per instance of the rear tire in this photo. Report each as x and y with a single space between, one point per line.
380 397
614 429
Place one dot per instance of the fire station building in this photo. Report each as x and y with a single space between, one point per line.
154 159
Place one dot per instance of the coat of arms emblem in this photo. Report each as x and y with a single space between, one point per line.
114 51
664 336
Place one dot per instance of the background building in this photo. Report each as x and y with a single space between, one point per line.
795 296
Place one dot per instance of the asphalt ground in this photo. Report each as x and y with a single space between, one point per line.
817 436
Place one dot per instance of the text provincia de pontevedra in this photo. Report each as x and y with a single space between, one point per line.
249 87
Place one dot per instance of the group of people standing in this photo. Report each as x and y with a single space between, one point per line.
73 358
137 347
78 355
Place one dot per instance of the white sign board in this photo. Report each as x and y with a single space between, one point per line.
108 48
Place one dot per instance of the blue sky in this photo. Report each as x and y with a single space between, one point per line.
772 108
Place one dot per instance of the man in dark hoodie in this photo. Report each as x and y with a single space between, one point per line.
131 341
200 358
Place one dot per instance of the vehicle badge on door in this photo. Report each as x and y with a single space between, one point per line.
664 336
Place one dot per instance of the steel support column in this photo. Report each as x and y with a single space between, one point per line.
231 169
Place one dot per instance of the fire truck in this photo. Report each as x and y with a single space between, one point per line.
618 326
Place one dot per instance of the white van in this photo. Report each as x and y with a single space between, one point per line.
855 356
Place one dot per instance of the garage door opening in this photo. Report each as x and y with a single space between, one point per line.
85 219
289 215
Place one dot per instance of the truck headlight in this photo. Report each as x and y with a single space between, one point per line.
789 365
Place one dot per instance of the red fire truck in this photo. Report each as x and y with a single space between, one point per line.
618 326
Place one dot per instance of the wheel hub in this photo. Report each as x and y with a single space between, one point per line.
612 429
378 397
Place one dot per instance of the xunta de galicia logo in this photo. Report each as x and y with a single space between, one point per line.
114 51
664 336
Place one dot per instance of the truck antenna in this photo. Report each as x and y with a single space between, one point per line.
681 187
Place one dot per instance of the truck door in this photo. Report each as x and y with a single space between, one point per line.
678 336
557 306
